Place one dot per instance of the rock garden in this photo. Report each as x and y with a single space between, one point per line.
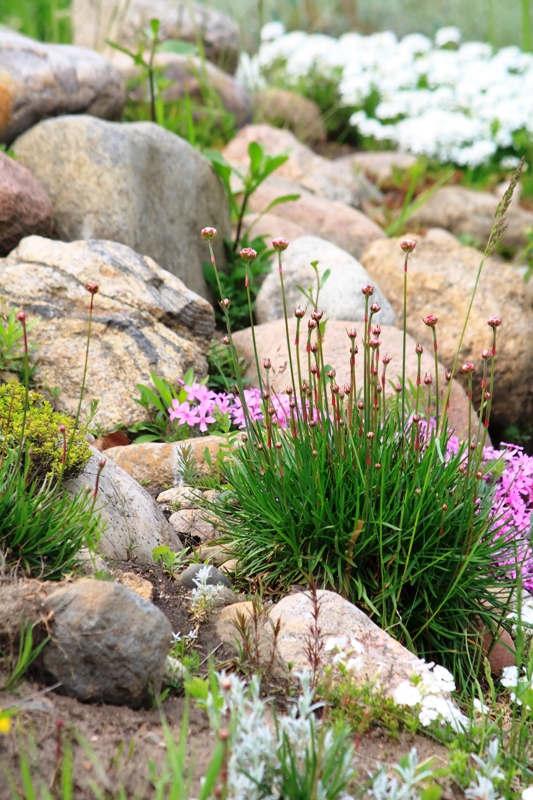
266 409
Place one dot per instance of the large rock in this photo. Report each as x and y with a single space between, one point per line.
340 297
159 465
124 22
145 320
380 166
269 226
187 75
440 281
310 171
107 644
381 660
25 207
137 184
285 109
45 80
464 211
134 522
271 343
332 220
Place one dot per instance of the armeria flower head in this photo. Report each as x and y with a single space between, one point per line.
299 312
431 320
208 233
408 245
494 322
91 287
367 290
280 244
468 367
248 254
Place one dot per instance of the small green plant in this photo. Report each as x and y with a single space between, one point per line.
12 348
171 562
157 402
46 433
17 666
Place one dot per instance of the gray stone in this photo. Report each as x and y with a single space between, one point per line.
180 496
137 184
380 165
467 212
25 207
186 579
124 22
145 320
40 80
192 522
340 297
107 644
134 522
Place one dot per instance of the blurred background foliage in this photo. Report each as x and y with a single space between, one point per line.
487 20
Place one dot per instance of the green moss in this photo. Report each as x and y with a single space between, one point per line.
42 436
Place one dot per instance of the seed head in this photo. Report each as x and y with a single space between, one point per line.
208 233
280 244
431 320
91 287
299 312
408 245
248 254
494 322
468 367
368 290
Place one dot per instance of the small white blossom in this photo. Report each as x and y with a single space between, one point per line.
406 694
480 707
449 35
509 677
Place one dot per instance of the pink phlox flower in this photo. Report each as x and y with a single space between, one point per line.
199 392
204 420
185 414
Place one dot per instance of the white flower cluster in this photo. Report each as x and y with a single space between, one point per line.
430 693
461 105
512 679
257 746
204 596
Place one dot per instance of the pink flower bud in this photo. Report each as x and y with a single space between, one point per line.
317 315
374 343
225 339
208 233
375 307
494 322
370 435
311 324
352 333
314 347
468 367
376 330
408 245
331 373
386 359
280 244
419 349
416 419
431 320
360 405
225 303
367 290
288 390
448 374
299 312
21 316
398 387
335 388
377 466
444 507
428 380
248 254
487 395
314 369
91 287
62 429
486 354
267 363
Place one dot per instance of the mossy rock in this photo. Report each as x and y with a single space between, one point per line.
42 435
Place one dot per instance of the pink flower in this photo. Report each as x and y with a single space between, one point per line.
183 413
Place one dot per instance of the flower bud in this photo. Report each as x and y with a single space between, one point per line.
225 303
352 333
377 466
311 324
208 233
299 312
398 387
280 244
267 363
448 374
367 290
62 429
386 359
375 307
444 507
314 369
225 339
288 390
91 287
416 418
431 320
314 347
468 367
278 445
331 373
374 343
485 354
408 245
370 435
360 405
248 254
335 388
494 322
428 380
21 316
419 349
317 315
487 396
376 330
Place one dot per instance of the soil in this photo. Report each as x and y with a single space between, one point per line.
112 745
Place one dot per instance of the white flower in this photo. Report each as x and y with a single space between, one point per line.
406 694
509 677
480 707
527 794
355 664
271 31
449 35
335 643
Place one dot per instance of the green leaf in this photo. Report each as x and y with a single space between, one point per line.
178 46
162 549
213 771
433 792
325 276
286 198
197 688
256 153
